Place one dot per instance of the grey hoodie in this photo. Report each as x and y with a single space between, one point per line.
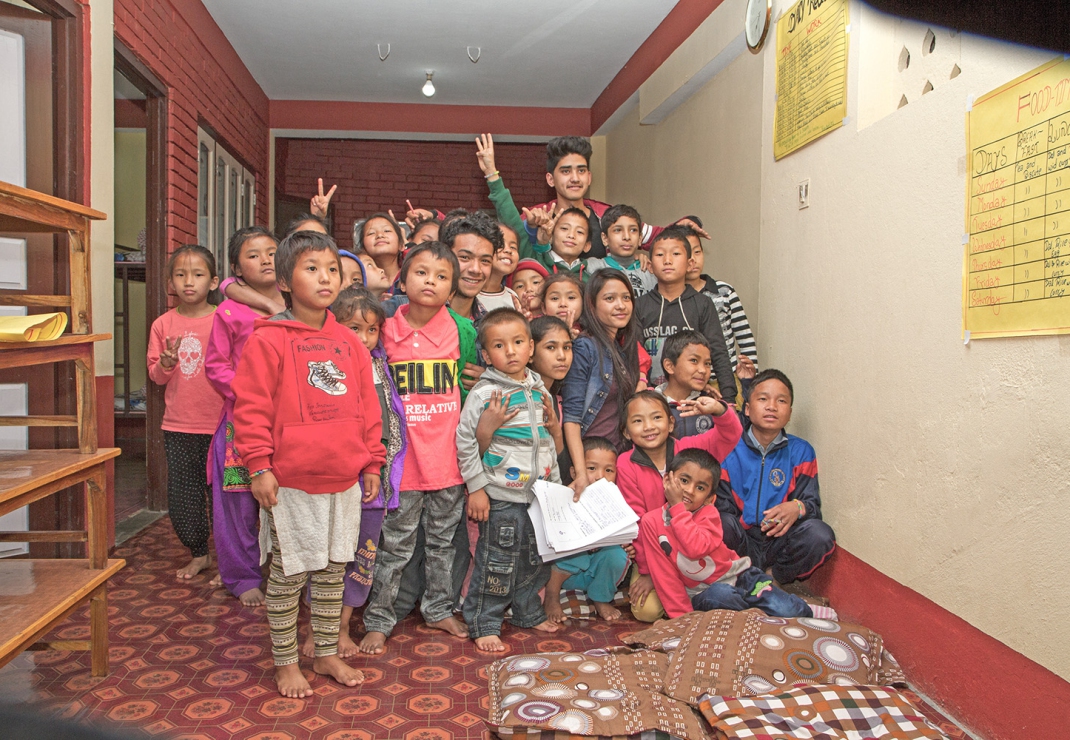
661 318
521 451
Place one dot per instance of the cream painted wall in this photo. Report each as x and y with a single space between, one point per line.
942 465
703 159
129 176
102 167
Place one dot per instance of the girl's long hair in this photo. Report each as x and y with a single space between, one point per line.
624 350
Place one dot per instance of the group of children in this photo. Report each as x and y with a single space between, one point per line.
356 411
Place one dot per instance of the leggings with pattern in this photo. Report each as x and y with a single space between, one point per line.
189 497
283 594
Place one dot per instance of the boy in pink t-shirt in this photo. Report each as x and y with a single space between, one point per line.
423 347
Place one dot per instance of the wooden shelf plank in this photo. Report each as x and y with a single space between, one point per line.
67 347
36 594
22 471
50 201
63 341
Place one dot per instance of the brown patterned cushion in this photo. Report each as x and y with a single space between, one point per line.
746 653
665 635
819 713
600 693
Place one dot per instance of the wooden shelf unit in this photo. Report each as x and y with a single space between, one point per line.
35 595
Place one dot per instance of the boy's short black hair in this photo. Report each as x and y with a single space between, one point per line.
562 146
477 223
699 457
238 239
771 374
598 443
422 223
357 299
302 218
613 213
688 230
674 346
290 250
497 317
439 251
675 233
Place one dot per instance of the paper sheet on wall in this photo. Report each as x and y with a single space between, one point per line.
1016 272
811 73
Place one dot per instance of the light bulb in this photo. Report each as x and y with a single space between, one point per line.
429 87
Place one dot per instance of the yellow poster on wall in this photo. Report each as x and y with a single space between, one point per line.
811 73
1016 275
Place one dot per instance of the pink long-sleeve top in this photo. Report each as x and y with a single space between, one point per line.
192 404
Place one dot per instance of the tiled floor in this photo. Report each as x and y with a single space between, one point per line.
191 662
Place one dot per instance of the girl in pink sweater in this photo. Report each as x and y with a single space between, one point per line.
176 360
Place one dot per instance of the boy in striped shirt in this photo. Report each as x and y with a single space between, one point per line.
503 447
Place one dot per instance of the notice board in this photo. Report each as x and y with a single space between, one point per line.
811 73
1016 274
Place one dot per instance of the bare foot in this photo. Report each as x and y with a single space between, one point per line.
451 625
291 682
374 643
252 597
308 647
552 605
216 582
339 670
547 626
490 644
346 647
195 566
607 612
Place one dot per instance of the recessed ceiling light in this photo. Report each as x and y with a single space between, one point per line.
429 87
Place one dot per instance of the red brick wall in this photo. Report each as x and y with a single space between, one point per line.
207 83
378 175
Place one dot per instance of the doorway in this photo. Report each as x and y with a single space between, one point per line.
140 292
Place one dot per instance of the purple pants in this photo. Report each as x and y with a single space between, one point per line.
236 518
359 572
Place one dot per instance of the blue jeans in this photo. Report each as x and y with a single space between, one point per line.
508 572
771 600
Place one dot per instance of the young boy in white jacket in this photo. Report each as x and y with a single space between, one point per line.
504 446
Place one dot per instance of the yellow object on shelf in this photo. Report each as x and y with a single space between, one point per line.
42 327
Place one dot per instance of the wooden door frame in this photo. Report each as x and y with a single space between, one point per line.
133 69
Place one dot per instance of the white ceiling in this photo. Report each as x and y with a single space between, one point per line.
553 53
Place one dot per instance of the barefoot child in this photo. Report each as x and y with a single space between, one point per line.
423 347
357 309
599 572
307 421
648 423
176 342
235 513
681 546
500 481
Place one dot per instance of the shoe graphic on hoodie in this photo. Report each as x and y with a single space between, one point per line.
325 376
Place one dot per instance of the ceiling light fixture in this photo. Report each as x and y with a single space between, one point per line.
429 87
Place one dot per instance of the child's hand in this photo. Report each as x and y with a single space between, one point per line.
496 414
543 220
629 550
415 215
371 487
579 483
641 588
703 405
641 385
169 356
698 229
552 423
478 506
485 155
745 368
644 261
470 375
319 203
673 493
266 489
778 520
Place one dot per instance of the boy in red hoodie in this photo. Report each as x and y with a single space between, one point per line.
681 547
308 425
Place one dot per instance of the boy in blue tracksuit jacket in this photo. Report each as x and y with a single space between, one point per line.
768 495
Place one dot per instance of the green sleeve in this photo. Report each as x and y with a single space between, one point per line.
508 214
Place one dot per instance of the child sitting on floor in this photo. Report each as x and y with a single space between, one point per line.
304 394
680 545
500 473
599 572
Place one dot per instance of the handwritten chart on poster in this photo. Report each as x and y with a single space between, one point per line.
811 73
1016 278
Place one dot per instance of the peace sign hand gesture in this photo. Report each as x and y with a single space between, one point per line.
320 202
169 356
543 220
